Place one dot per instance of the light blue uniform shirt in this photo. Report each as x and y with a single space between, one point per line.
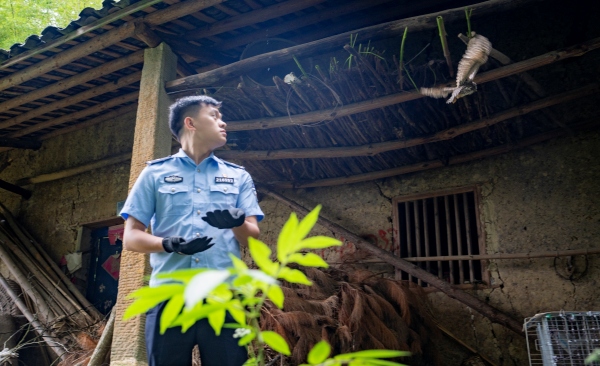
172 195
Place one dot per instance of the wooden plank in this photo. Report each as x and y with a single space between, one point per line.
15 189
95 73
250 18
495 315
377 148
76 115
178 10
529 255
66 56
76 170
81 31
432 164
80 97
385 30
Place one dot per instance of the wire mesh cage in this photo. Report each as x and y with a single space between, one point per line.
562 338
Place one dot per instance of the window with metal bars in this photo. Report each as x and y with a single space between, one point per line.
435 227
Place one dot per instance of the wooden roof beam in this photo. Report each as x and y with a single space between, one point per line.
432 164
66 102
320 115
385 30
75 80
102 41
250 18
377 148
76 115
291 25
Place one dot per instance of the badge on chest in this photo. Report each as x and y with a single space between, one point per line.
224 180
173 179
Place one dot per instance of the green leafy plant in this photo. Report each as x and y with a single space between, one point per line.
401 61
593 357
196 294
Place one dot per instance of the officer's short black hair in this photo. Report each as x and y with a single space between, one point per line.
186 107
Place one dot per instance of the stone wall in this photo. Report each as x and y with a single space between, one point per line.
542 198
58 208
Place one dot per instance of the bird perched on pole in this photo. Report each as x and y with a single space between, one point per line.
476 55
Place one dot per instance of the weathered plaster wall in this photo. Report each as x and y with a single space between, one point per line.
542 198
57 208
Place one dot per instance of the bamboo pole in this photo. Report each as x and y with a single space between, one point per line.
377 148
385 30
41 256
66 102
493 314
104 344
37 326
53 290
433 164
444 41
78 79
547 254
43 310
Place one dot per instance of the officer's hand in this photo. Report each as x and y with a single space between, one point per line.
179 245
225 219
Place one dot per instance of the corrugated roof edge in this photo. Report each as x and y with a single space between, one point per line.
86 16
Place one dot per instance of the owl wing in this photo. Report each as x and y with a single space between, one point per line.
437 92
476 55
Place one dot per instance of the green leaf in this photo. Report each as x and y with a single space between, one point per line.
318 242
594 356
276 342
247 339
170 312
189 317
374 353
319 353
202 284
216 319
275 294
308 260
377 362
242 280
261 253
251 361
306 225
149 297
237 311
181 275
286 242
294 276
238 263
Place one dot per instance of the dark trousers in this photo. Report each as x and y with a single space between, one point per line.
175 348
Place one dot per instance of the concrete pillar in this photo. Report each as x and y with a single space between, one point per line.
152 140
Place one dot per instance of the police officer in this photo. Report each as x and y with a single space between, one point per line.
200 208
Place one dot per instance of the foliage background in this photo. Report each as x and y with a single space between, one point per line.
23 18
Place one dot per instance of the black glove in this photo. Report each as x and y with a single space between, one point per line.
179 245
225 219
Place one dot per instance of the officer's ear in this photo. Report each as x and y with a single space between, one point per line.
188 123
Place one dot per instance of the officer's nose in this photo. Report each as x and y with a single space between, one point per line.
222 124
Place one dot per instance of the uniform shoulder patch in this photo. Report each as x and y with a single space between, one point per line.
233 165
159 160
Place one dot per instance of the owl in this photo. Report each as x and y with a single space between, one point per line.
476 55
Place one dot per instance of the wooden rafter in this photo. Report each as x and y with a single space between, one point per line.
432 164
80 97
385 30
377 148
250 18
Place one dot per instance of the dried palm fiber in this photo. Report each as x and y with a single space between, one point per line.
352 310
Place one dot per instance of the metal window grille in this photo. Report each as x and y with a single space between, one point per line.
562 338
442 224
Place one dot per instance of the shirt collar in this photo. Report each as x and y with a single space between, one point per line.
182 154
